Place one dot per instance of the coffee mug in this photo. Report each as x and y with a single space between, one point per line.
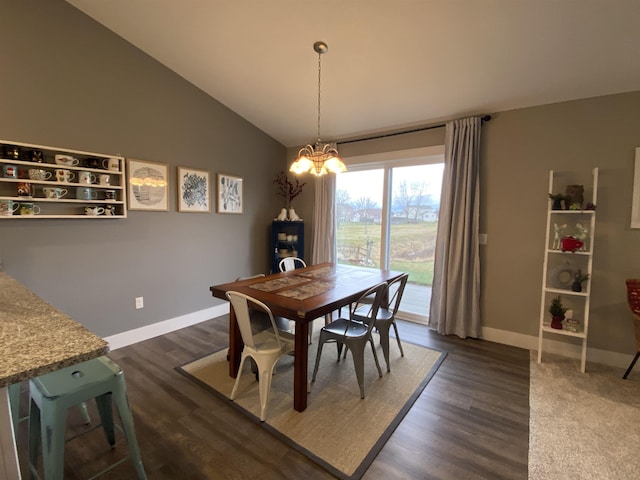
110 210
86 177
93 162
84 193
35 156
37 174
110 195
8 207
10 171
54 192
93 211
25 189
66 160
29 209
112 164
104 179
64 175
11 152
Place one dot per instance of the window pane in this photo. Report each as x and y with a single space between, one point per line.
359 217
415 203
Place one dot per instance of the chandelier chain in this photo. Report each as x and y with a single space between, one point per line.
319 74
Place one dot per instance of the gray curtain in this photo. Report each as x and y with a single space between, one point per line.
455 297
324 220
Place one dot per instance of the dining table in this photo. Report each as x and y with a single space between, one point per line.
301 295
35 338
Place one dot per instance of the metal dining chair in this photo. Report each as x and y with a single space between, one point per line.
386 317
354 332
265 347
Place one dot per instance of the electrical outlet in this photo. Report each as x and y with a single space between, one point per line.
139 302
482 238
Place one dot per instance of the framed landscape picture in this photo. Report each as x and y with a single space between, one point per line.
229 194
147 186
193 190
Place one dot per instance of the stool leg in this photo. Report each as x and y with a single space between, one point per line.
14 399
85 413
53 423
105 410
126 417
633 362
34 436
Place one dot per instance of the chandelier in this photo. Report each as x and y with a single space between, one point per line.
318 159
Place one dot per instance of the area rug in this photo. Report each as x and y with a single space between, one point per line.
583 426
340 431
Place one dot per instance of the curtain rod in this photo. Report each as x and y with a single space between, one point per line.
484 118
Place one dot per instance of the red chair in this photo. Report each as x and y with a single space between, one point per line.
633 297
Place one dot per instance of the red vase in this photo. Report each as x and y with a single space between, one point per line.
556 322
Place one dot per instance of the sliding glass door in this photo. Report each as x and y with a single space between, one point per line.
387 216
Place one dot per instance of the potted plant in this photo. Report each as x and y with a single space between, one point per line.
578 279
557 311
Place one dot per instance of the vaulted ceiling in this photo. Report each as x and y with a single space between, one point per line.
391 64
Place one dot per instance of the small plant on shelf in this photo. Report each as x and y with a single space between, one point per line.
557 311
578 279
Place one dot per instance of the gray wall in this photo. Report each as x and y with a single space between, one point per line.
67 81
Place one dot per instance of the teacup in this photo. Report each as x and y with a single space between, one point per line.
112 164
66 160
110 195
8 207
64 175
10 171
29 209
25 189
37 174
86 177
104 179
93 211
85 193
54 192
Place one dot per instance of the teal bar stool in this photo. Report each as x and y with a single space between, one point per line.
54 393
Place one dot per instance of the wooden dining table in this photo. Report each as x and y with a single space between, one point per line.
35 338
301 295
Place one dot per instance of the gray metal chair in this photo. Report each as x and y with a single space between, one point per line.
386 317
354 332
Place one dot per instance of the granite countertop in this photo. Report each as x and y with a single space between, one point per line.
36 338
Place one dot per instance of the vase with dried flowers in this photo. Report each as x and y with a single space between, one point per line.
287 189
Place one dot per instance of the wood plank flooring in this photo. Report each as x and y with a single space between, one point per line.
471 421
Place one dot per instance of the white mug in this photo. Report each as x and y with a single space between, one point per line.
104 179
8 207
64 175
110 210
86 177
37 174
112 164
66 160
93 211
54 192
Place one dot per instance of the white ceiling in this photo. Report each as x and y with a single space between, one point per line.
391 64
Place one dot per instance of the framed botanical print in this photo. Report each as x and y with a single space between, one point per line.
147 185
194 193
229 194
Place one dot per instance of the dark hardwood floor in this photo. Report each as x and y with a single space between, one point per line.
471 421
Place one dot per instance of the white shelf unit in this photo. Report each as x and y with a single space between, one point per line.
560 266
68 206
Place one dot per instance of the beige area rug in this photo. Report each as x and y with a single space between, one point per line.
338 430
583 426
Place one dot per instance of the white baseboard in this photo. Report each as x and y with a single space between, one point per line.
130 337
530 342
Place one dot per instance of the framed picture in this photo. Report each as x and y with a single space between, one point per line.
229 194
635 201
193 190
147 185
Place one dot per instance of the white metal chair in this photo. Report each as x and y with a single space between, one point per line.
354 333
291 263
265 347
386 317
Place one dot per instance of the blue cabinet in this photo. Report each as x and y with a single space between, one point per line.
287 240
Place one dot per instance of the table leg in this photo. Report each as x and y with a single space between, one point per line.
235 344
301 357
8 451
